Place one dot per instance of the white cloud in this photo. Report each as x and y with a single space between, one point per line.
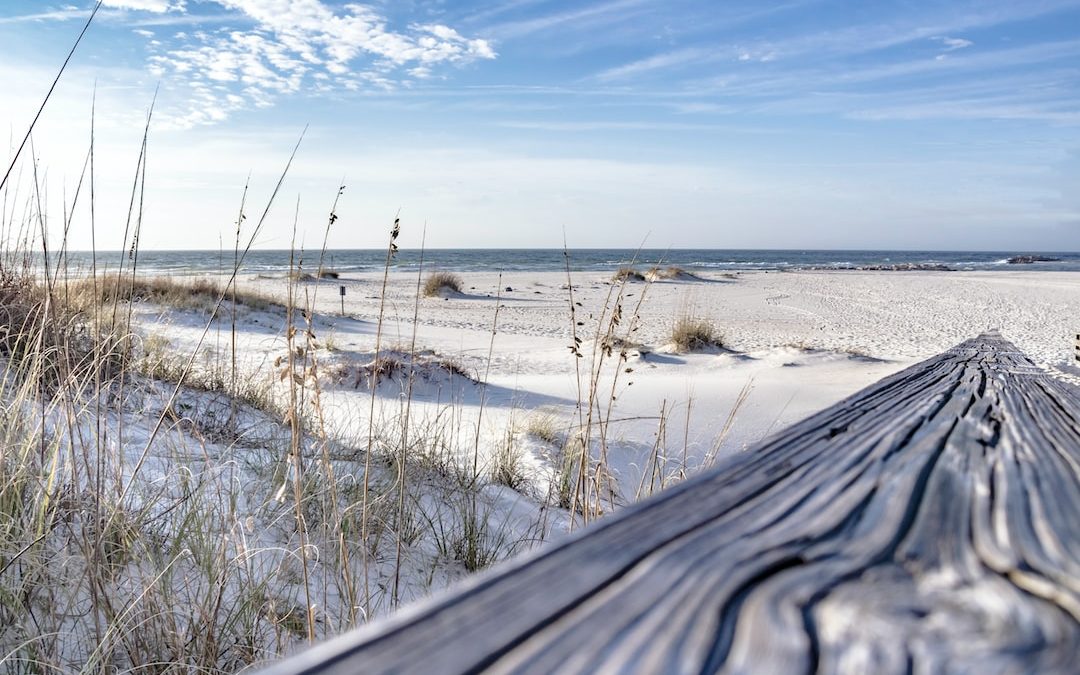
156 6
318 33
296 44
65 14
952 44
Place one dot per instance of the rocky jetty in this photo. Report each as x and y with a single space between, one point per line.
897 267
1029 259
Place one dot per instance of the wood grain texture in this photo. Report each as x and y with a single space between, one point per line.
929 523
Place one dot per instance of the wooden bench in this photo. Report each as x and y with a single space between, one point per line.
929 523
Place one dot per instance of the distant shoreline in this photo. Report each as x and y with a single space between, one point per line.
584 259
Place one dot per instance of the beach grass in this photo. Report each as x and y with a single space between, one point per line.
165 469
194 293
142 525
691 334
441 282
670 273
161 502
166 501
624 274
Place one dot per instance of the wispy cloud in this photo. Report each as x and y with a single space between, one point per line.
174 19
866 38
1046 98
973 109
65 14
861 39
172 15
579 18
158 6
952 44
839 76
607 125
659 62
500 9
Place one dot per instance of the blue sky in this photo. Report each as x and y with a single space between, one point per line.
684 123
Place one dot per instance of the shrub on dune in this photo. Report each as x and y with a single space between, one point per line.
180 293
439 283
670 273
627 274
690 334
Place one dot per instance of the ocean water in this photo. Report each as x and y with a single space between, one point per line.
516 260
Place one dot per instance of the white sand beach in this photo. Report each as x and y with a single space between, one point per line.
793 343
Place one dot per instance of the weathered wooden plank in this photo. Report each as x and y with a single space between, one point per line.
930 523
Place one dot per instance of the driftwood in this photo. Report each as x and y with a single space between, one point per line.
930 523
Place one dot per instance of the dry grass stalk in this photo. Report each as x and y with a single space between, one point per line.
593 492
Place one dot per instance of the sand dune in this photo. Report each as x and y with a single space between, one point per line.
794 344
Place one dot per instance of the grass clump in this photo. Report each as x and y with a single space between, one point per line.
20 308
196 293
401 364
326 275
669 273
690 334
544 426
624 274
439 283
508 465
48 336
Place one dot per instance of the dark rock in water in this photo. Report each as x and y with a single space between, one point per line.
1029 259
508 290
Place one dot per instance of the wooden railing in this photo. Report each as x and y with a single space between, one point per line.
929 523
